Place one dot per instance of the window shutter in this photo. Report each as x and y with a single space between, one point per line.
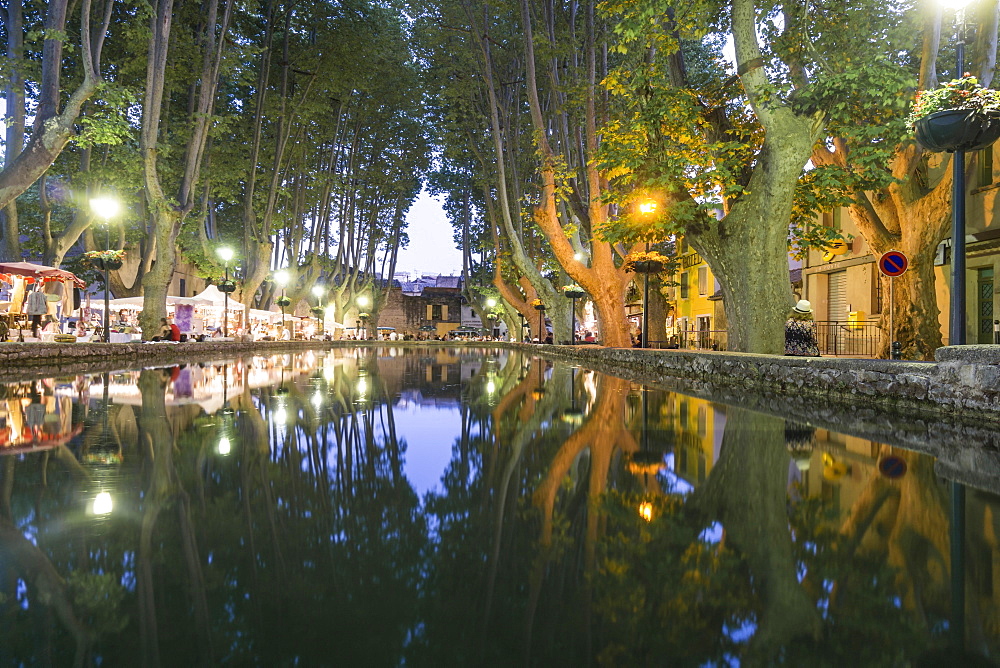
444 312
430 312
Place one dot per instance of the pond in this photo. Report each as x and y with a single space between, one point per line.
454 506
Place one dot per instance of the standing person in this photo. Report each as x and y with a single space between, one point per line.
800 331
36 306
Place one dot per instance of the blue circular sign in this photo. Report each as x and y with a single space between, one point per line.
893 264
892 467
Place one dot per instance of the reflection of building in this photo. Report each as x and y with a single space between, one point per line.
699 426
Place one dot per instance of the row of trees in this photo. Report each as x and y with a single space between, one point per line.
742 120
301 132
293 132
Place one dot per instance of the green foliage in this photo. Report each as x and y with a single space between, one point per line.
962 93
99 601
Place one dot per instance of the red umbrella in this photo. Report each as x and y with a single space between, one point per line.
37 272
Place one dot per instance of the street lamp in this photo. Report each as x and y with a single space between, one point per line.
106 208
956 320
318 291
226 254
281 278
363 303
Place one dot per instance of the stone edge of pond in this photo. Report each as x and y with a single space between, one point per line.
39 360
964 381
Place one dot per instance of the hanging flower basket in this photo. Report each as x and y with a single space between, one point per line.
959 115
105 259
647 266
284 301
957 130
574 294
539 307
227 286
317 311
364 316
646 262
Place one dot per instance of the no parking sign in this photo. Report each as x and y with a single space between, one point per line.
892 264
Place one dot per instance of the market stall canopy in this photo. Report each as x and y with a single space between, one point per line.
213 295
37 272
136 302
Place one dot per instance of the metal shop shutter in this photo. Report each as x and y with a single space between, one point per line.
837 296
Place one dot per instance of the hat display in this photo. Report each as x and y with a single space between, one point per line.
803 306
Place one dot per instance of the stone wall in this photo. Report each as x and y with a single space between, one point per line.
964 380
40 360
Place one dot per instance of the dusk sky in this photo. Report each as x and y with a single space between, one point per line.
431 249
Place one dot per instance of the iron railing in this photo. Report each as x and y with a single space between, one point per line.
835 338
848 338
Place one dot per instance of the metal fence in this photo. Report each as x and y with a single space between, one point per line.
835 338
848 339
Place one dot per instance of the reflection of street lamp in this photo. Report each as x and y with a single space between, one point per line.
226 254
224 446
103 504
318 291
106 208
281 278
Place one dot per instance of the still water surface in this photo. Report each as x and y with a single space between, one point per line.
446 507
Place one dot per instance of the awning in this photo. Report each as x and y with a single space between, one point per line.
213 295
37 272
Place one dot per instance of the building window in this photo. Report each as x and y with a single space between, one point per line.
702 281
435 312
684 285
832 219
985 168
183 288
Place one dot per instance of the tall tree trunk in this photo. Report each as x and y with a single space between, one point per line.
52 129
14 120
748 249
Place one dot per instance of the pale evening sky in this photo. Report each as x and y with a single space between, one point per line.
432 249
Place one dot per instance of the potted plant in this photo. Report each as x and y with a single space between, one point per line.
645 262
228 285
105 259
573 291
317 311
284 301
959 115
537 303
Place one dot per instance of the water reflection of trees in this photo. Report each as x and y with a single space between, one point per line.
303 532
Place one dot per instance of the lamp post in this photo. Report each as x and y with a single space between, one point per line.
318 291
106 208
281 278
363 303
540 307
226 254
956 320
574 293
490 305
